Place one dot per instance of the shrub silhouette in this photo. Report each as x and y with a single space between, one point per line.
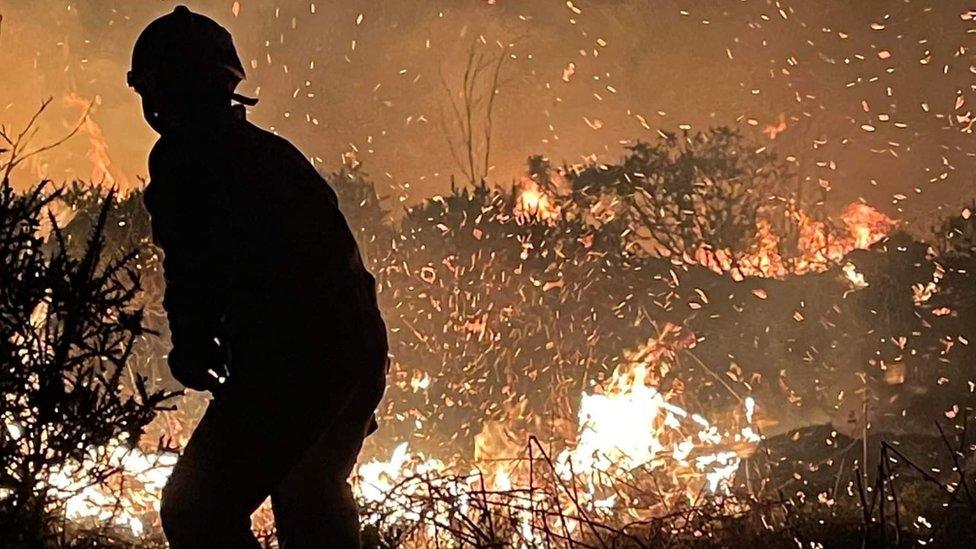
67 329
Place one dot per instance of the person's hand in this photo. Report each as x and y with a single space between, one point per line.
198 365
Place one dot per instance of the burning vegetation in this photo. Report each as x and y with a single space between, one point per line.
677 348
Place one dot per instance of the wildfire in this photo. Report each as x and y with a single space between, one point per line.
629 429
534 203
817 246
866 224
636 453
634 449
130 499
103 170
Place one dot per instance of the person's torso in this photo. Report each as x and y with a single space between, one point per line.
291 264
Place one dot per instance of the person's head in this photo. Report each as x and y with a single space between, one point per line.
185 68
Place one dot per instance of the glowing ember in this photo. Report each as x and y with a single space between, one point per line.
922 293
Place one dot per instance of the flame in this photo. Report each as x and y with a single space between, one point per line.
634 425
534 203
103 170
817 247
129 498
628 428
866 224
855 277
605 440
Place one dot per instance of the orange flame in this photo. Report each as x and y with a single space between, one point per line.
103 170
817 247
866 224
534 203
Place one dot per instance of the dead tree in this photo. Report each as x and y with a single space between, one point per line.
469 134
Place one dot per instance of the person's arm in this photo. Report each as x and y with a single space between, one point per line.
185 224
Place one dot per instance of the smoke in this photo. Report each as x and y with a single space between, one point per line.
864 94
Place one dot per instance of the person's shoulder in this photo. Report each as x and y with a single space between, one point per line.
270 141
290 163
169 156
158 155
175 169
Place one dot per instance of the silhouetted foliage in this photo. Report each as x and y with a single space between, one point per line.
683 194
363 208
958 235
67 330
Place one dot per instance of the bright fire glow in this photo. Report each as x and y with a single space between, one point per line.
629 428
103 170
817 246
534 203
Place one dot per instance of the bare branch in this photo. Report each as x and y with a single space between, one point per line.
18 143
488 114
473 116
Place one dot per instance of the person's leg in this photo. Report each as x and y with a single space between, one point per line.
313 504
241 449
197 512
208 499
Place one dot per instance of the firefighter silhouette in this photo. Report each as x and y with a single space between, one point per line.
270 307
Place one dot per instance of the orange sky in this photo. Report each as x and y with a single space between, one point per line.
871 97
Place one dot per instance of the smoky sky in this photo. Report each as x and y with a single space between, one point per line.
873 97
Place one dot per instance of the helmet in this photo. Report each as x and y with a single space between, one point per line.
184 45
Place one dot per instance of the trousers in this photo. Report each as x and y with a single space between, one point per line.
297 446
